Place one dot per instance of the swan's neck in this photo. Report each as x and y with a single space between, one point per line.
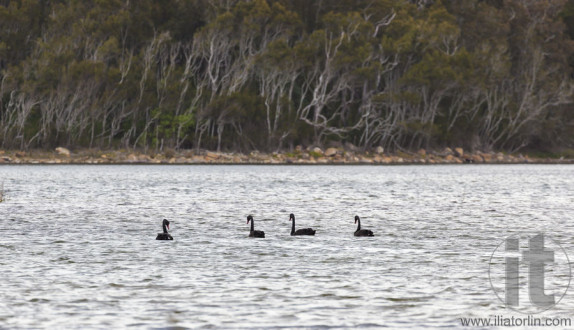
164 228
359 225
252 226
293 226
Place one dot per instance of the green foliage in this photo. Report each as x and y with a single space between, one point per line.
267 74
315 154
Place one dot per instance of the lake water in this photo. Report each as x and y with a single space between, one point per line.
78 248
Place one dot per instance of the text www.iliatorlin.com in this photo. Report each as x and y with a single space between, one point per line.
501 321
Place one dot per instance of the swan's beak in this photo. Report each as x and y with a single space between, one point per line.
247 221
167 226
355 220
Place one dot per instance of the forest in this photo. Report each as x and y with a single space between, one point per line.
269 75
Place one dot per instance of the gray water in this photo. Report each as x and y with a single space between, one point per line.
78 248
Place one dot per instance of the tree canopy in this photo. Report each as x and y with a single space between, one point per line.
271 74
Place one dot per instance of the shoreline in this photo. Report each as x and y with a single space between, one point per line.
314 156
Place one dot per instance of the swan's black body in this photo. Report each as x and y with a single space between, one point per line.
253 232
165 236
304 231
362 232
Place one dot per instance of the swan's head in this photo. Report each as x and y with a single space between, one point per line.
166 223
357 218
291 216
249 218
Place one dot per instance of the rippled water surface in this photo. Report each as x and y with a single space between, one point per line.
78 248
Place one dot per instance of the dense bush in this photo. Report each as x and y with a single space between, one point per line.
268 75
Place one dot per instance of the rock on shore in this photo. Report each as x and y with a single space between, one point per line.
297 156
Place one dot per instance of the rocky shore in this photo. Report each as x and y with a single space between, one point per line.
298 156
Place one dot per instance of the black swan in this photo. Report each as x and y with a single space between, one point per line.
361 232
165 235
253 232
305 231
